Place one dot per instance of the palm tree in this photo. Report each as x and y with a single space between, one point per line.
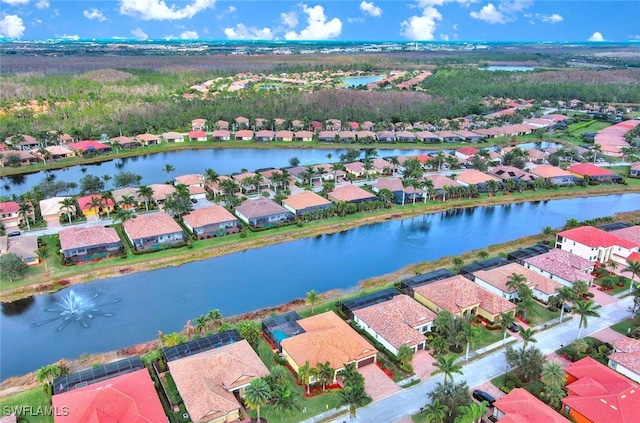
257 395
168 169
48 373
492 186
458 262
214 318
547 231
146 193
633 266
211 176
127 201
68 204
43 254
471 413
24 209
312 299
472 335
325 373
584 309
564 295
436 412
304 376
427 186
106 179
201 323
386 196
515 280
553 374
72 186
446 364
580 288
527 336
506 320
483 254
95 204
122 216
105 197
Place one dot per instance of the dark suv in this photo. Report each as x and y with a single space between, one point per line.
513 327
483 396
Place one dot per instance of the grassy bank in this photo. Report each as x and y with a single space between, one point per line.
58 276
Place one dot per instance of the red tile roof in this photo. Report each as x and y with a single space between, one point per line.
473 177
549 171
254 208
600 394
350 193
631 233
589 169
519 406
128 398
627 353
209 215
9 207
305 199
88 145
594 237
72 238
498 278
468 151
148 226
563 264
85 202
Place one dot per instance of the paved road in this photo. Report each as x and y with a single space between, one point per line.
408 401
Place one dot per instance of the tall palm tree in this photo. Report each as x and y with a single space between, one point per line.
427 186
24 209
211 176
127 201
580 288
325 373
43 254
436 412
123 215
506 319
527 336
471 335
201 323
105 197
257 395
168 169
553 374
471 413
564 294
584 309
312 299
515 280
106 179
68 204
95 204
633 266
214 318
304 376
446 364
146 193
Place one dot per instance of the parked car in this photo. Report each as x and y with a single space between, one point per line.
513 327
14 233
483 396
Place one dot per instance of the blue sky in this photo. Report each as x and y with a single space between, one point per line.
438 20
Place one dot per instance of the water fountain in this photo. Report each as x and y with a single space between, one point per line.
76 308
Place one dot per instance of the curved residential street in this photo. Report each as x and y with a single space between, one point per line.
407 402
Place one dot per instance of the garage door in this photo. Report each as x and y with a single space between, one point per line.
366 361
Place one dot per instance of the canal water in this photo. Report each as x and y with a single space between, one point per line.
131 309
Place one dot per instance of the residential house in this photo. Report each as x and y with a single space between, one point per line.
357 169
119 194
595 244
315 126
367 125
242 122
383 166
469 136
25 157
198 124
126 143
172 137
130 397
511 172
148 139
428 137
246 181
10 216
351 194
192 179
106 205
305 202
161 192
597 394
222 124
562 266
466 152
303 136
51 209
244 135
634 170
56 152
24 247
537 156
88 146
440 182
461 297
626 357
264 135
327 338
284 135
197 136
263 212
333 124
399 191
448 136
149 232
595 173
211 222
89 243
554 175
327 136
631 233
27 142
406 136
477 178
354 126
347 137
221 135
297 124
366 137
396 322
495 280
386 136
211 383
519 406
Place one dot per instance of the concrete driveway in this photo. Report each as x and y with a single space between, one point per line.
422 364
377 384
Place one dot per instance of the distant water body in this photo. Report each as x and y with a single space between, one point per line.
508 68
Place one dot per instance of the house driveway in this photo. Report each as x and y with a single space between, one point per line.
377 384
422 364
601 298
607 335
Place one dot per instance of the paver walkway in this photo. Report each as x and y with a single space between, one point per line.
377 384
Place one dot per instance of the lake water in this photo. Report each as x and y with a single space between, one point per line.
361 80
165 299
508 68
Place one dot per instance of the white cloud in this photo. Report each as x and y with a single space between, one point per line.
70 37
318 28
421 27
157 10
243 32
226 12
189 35
506 11
444 37
94 13
370 9
139 34
289 19
42 4
11 26
553 18
597 36
15 2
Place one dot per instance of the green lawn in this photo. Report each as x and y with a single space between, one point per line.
623 327
35 398
487 337
540 314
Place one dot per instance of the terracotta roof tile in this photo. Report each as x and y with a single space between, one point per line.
498 277
395 320
631 233
305 199
549 171
473 177
589 169
350 193
563 264
72 238
519 406
594 237
260 207
209 215
148 226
